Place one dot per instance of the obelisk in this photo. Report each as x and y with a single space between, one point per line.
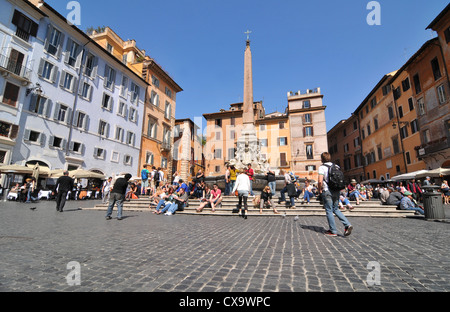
248 115
248 147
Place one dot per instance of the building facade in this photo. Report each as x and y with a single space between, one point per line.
158 120
75 113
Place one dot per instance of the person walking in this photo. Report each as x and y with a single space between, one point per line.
106 190
118 196
330 198
242 186
250 172
64 184
144 177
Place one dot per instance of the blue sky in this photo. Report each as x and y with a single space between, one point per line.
296 45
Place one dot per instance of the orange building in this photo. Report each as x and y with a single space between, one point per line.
160 103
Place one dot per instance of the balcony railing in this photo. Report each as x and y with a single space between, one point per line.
14 67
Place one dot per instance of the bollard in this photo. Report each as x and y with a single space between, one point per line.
432 203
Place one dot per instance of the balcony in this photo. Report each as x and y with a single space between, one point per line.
434 146
165 147
10 66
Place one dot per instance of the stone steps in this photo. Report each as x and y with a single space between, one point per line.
365 209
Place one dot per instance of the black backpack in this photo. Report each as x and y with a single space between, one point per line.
156 176
335 178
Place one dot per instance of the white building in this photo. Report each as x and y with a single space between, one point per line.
82 109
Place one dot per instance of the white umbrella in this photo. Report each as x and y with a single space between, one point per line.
435 173
85 174
16 169
408 176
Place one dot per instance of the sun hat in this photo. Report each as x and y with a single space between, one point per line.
353 181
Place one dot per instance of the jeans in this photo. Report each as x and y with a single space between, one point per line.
273 187
308 195
227 188
418 209
115 198
283 197
160 204
168 207
251 188
331 205
244 195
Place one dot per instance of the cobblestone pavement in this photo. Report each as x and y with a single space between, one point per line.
149 253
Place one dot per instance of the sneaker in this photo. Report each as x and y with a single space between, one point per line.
168 213
329 233
108 218
348 230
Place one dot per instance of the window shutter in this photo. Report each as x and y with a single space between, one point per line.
75 118
62 78
14 132
41 67
33 102
68 115
67 51
34 29
42 138
74 84
26 135
48 38
57 108
48 107
94 68
51 140
55 74
95 151
60 46
86 122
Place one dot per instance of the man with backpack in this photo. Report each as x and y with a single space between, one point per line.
144 177
331 182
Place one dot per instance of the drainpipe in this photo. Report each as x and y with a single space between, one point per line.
399 128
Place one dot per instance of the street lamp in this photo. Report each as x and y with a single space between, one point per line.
400 123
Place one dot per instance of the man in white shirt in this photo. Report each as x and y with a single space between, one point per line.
331 199
242 185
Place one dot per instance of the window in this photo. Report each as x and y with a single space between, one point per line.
386 89
168 111
99 153
109 48
441 94
306 104
62 113
47 71
357 159
264 142
391 112
76 147
56 142
373 102
73 53
262 127
11 94
308 131
168 92
218 153
397 93
40 105
34 137
447 35
86 91
282 141
417 86
166 136
347 164
149 158
107 101
356 142
25 26
281 125
103 128
307 119
231 153
131 137
380 152
67 81
404 132
14 63
164 162
232 135
2 157
122 109
110 78
400 111
155 81
283 162
414 126
369 131
309 152
152 128
81 120
8 130
90 66
436 70
344 133
134 94
395 145
54 41
408 158
346 148
132 115
355 125
411 104
375 123
119 134
217 122
233 121
154 98
406 85
125 59
421 105
124 87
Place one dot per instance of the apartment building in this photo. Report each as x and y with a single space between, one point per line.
73 112
158 120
